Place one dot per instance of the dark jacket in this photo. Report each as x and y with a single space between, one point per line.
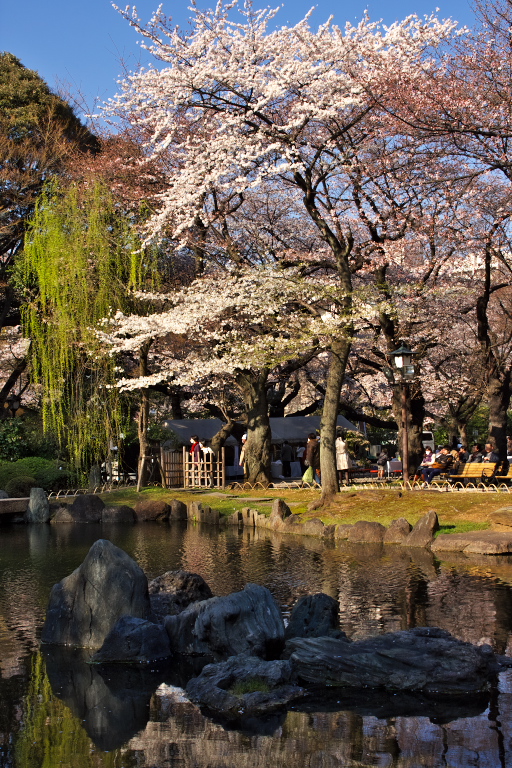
313 454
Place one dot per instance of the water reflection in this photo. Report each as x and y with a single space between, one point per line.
379 589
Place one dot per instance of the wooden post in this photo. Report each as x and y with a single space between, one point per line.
405 434
222 469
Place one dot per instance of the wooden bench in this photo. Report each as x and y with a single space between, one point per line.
473 474
503 481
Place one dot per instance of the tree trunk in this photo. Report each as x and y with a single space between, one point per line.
259 438
499 392
329 477
222 435
143 421
415 407
463 433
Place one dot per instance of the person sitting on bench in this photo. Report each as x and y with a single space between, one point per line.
443 463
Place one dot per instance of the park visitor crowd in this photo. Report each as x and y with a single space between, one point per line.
451 461
446 460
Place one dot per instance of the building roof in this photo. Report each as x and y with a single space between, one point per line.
295 429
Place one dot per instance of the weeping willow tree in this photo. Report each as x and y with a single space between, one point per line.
80 261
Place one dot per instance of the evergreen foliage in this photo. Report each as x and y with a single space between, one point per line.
80 261
46 473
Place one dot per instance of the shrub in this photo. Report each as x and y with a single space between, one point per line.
49 474
19 487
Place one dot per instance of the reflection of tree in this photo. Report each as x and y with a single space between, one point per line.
51 735
472 608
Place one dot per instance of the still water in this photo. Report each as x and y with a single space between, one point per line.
57 711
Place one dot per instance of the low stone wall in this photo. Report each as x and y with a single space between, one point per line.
14 506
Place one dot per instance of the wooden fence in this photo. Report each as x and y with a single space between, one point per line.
179 470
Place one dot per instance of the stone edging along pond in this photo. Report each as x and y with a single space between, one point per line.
89 508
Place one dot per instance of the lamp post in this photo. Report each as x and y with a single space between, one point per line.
402 360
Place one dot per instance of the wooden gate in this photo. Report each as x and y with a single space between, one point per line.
179 471
208 472
171 464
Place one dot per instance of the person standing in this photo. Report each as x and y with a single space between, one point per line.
382 460
313 456
299 452
195 457
242 460
342 457
286 458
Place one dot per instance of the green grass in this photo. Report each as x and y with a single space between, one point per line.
251 685
457 512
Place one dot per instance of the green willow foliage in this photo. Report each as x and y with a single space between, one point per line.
81 259
51 735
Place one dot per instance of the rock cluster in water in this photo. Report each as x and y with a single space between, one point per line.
257 664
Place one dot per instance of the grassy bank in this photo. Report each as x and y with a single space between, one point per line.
457 511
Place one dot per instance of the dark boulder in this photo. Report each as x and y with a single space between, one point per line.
85 605
244 622
174 591
422 535
134 640
152 510
179 510
61 514
424 659
398 531
38 507
314 616
219 687
86 509
120 514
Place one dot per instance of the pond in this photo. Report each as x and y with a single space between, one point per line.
55 714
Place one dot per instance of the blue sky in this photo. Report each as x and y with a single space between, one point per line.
82 45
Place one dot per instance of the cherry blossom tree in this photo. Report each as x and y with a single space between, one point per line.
282 107
232 331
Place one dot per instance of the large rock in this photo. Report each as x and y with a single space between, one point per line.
422 535
278 516
475 542
152 510
502 518
121 514
342 530
423 659
61 514
270 687
38 507
86 605
135 641
174 591
244 622
178 510
86 509
315 527
367 532
314 616
398 531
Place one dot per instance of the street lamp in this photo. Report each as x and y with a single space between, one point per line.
402 360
